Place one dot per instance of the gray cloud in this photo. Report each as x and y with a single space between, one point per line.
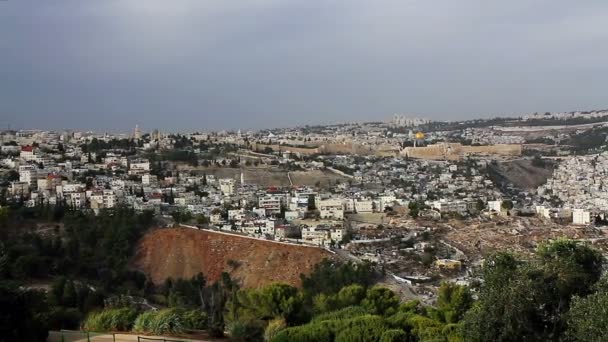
191 64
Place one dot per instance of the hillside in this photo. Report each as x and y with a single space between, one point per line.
521 173
183 252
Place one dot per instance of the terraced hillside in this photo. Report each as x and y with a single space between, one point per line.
183 252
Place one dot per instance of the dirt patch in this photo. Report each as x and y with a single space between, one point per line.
184 252
321 178
521 173
271 176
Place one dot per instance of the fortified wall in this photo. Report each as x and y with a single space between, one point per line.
456 151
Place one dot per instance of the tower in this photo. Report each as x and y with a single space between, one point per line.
137 133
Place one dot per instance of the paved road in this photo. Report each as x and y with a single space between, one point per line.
56 336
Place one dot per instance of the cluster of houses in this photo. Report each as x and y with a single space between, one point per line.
578 188
58 169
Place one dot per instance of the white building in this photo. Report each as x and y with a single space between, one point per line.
495 206
139 166
364 206
227 186
27 174
543 211
149 179
331 209
271 203
444 206
580 216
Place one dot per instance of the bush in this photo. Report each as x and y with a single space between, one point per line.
111 320
161 322
306 333
346 313
246 330
143 322
195 319
394 335
273 328
380 301
362 329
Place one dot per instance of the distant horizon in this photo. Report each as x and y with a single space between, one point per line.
145 129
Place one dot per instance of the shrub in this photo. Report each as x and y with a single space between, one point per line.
195 319
380 301
400 320
273 328
167 321
394 335
348 312
246 330
143 322
362 329
111 320
306 333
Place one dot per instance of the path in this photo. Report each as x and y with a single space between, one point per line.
76 336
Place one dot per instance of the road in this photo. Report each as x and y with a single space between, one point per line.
76 336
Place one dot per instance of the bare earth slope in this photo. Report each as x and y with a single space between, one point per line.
521 173
183 252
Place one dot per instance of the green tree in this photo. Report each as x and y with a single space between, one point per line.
453 302
272 301
587 318
414 209
528 299
350 295
380 301
507 205
311 202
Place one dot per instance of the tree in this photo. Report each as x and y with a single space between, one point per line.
380 301
311 202
528 299
414 209
507 205
330 276
350 295
22 315
453 302
480 205
587 319
508 303
202 219
272 301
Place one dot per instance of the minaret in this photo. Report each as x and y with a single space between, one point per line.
137 133
242 179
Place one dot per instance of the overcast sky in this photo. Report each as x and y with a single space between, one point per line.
206 64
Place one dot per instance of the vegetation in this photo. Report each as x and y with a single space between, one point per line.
555 295
111 320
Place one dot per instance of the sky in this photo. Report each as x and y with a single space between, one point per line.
250 64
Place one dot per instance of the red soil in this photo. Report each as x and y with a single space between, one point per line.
184 252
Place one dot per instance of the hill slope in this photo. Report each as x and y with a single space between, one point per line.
183 252
521 173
